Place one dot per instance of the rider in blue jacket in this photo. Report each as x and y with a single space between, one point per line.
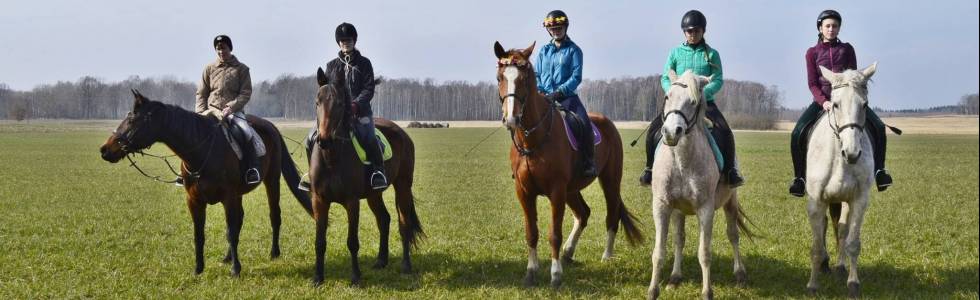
559 72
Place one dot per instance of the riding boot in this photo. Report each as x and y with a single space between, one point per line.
304 181
878 140
587 147
251 164
798 145
726 142
653 137
378 180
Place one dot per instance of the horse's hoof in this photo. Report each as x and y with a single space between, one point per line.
853 290
654 293
529 279
317 281
355 282
199 269
235 272
674 281
812 292
567 259
741 278
380 264
274 254
407 268
825 265
556 282
710 295
840 271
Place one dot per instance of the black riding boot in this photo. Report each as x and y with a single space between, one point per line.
378 180
878 141
587 149
726 142
653 137
304 181
252 164
798 143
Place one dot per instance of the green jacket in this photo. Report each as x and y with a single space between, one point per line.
684 57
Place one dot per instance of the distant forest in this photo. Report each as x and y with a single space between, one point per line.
746 104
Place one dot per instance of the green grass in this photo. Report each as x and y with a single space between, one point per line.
74 226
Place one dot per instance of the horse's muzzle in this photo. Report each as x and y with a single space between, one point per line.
111 152
851 158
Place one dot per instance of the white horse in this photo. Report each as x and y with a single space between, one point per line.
841 171
687 181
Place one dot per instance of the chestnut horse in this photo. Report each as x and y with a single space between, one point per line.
337 175
209 167
543 163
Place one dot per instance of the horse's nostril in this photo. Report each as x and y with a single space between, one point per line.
859 155
677 131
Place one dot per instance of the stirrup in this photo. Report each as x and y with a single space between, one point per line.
383 184
179 181
249 179
304 182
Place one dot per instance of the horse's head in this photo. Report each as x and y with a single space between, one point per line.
683 105
515 82
332 106
140 129
849 100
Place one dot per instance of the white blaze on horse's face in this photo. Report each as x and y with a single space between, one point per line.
850 100
510 75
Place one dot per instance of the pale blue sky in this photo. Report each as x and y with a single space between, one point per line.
927 50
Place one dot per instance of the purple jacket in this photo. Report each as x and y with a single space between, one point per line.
836 56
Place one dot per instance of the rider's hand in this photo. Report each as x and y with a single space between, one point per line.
354 108
554 97
827 105
226 112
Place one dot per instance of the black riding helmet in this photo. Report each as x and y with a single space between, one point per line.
828 14
222 39
555 18
694 19
345 31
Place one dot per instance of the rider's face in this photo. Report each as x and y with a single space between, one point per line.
694 35
223 51
557 32
346 45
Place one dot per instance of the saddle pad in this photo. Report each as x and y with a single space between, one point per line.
385 147
574 141
711 141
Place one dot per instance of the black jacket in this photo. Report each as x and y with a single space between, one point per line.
359 76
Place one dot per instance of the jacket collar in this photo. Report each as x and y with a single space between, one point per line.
353 54
230 62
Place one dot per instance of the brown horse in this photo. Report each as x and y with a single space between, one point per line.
209 167
544 163
338 176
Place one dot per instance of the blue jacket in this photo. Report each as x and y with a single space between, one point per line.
559 69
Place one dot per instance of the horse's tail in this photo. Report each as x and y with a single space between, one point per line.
741 219
633 234
291 175
410 225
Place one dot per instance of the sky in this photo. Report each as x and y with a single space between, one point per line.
927 50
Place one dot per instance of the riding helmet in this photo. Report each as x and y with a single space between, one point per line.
694 19
828 14
345 31
555 18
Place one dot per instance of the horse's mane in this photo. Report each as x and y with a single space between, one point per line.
183 121
693 86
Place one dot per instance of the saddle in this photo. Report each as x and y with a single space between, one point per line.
575 128
386 153
235 137
712 140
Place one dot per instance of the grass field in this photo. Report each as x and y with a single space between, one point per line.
74 226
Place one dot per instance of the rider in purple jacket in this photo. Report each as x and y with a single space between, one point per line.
837 56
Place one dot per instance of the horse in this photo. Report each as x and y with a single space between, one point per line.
543 163
337 175
687 181
209 166
840 174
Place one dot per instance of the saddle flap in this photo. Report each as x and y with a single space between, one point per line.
571 131
386 152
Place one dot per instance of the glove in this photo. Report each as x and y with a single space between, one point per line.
554 97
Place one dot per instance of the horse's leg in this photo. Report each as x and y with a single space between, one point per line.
199 216
676 275
609 181
409 226
234 215
558 198
530 234
377 205
275 213
841 230
731 216
706 217
661 222
353 244
321 211
816 211
581 211
852 245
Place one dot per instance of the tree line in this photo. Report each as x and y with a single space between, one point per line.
746 104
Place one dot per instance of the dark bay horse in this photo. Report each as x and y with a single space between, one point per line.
338 176
209 167
543 163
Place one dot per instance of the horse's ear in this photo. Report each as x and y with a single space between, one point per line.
672 75
321 78
870 70
499 50
702 81
828 74
527 51
139 98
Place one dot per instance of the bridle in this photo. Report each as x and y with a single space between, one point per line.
125 142
688 122
837 128
546 116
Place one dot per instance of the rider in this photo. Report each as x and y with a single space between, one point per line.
559 72
695 54
225 88
837 56
359 78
